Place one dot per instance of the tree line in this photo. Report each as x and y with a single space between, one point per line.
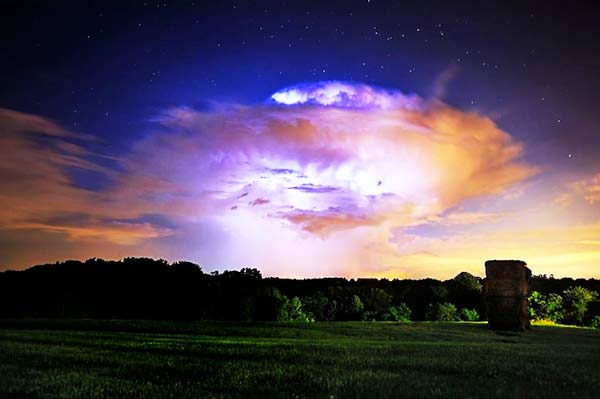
575 305
146 288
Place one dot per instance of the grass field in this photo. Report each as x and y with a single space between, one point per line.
149 359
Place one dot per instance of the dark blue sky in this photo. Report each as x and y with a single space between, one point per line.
108 69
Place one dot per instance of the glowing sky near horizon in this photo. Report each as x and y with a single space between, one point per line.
335 170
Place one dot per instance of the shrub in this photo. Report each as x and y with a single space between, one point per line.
399 313
577 300
442 312
469 314
546 307
595 322
370 315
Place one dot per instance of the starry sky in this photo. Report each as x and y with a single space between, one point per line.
339 138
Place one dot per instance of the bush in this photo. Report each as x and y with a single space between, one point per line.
469 314
399 313
546 307
577 300
595 322
442 312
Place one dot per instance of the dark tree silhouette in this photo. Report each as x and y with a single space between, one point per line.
145 288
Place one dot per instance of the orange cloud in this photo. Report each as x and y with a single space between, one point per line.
591 190
587 189
362 167
38 192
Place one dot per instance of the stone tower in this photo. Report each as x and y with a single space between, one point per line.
506 288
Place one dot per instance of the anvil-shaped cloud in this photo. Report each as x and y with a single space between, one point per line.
317 180
335 157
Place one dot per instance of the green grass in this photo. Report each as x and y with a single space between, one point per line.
150 359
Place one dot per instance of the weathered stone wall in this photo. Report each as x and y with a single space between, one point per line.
506 288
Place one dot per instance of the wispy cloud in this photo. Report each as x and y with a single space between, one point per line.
583 188
591 189
38 192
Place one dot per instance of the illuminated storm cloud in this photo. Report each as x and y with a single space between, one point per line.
330 156
328 171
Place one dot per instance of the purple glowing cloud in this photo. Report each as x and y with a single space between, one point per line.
345 95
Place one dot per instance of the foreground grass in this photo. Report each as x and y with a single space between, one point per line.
133 359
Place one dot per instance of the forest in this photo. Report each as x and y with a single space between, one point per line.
145 288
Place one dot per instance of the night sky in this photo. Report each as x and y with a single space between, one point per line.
350 138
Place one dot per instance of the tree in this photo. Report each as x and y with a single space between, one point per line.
377 304
353 308
468 281
186 267
348 306
464 291
251 272
318 307
576 301
356 306
442 312
290 310
154 289
269 302
546 307
440 292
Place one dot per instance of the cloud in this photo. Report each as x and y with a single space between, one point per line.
335 156
313 188
111 231
17 123
259 201
460 218
442 82
38 191
345 95
591 190
330 220
333 165
584 188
